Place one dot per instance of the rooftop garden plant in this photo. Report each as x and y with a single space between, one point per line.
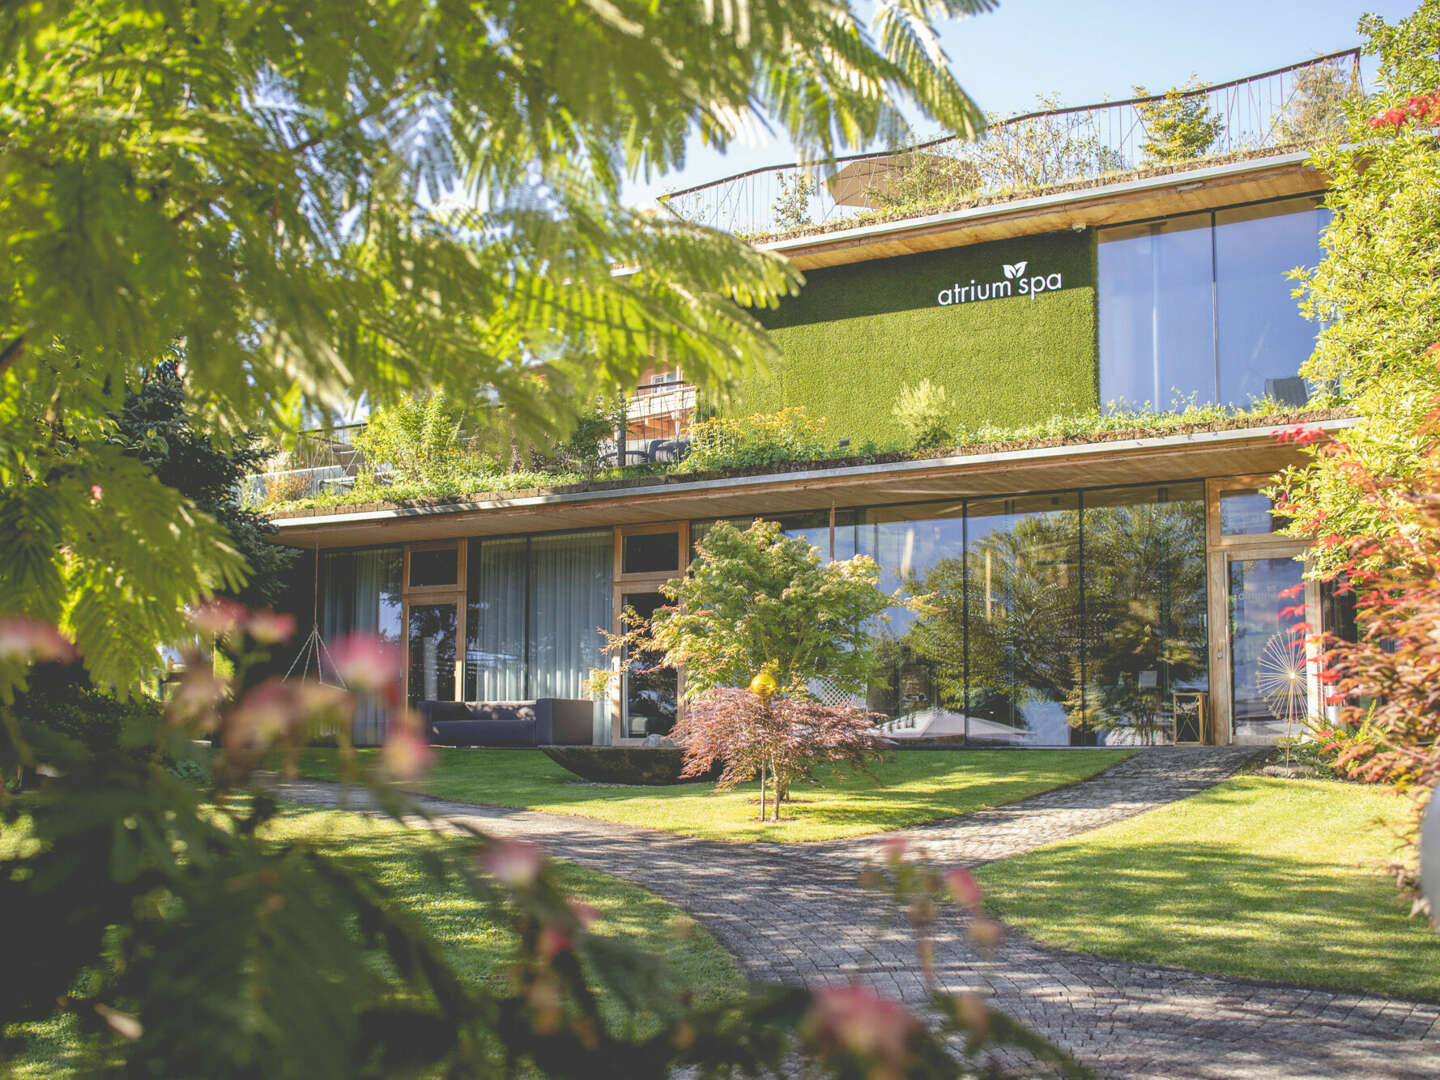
793 438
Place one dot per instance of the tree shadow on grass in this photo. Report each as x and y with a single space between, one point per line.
1207 907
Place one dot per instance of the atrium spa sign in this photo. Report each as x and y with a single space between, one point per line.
1016 282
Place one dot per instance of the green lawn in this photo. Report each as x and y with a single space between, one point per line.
1273 879
910 788
479 948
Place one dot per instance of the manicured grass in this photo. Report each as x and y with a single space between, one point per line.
910 788
1272 879
480 949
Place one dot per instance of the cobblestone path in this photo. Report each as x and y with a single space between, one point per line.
793 913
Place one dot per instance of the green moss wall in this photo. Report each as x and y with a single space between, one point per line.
857 334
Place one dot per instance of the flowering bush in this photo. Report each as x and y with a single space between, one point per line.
151 910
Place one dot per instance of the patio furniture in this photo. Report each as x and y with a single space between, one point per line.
544 721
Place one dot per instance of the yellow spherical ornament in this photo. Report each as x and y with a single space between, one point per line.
763 685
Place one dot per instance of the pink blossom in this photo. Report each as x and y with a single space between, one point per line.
515 863
218 617
857 1019
585 915
405 755
123 1024
270 627
895 847
33 641
964 888
263 714
367 662
551 942
96 493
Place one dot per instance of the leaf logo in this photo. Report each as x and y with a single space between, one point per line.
1014 270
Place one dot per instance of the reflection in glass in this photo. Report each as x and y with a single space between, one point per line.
495 620
1145 609
1023 620
434 566
1199 307
1246 513
1262 625
650 553
1157 335
920 670
651 692
1262 334
432 652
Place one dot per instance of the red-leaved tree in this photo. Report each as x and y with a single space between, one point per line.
786 738
1386 684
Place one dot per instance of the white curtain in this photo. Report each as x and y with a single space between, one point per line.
360 591
495 652
570 577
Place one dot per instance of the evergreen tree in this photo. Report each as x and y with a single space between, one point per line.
156 426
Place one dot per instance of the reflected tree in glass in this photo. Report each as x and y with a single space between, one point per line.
1145 610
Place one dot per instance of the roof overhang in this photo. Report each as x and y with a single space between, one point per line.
1159 459
1205 188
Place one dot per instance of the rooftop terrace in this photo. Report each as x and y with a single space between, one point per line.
1287 107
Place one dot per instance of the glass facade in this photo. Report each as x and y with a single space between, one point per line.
360 593
1266 654
535 607
1047 620
1146 635
433 629
1199 307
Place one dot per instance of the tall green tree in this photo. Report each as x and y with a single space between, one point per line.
1376 296
156 427
759 600
318 199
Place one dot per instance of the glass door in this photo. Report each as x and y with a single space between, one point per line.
432 633
1265 598
1262 676
649 693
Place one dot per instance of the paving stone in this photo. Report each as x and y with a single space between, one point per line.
794 913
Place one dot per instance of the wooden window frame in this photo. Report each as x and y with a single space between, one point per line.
437 594
620 584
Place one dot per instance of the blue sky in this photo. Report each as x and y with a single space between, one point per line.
1086 52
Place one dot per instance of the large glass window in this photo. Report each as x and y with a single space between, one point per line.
920 675
1261 334
1157 335
496 572
360 592
570 603
432 652
1000 651
535 607
1146 636
1023 619
1199 307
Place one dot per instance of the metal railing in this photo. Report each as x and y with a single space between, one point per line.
1293 105
324 461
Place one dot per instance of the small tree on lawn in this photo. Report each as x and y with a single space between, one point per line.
758 601
784 737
